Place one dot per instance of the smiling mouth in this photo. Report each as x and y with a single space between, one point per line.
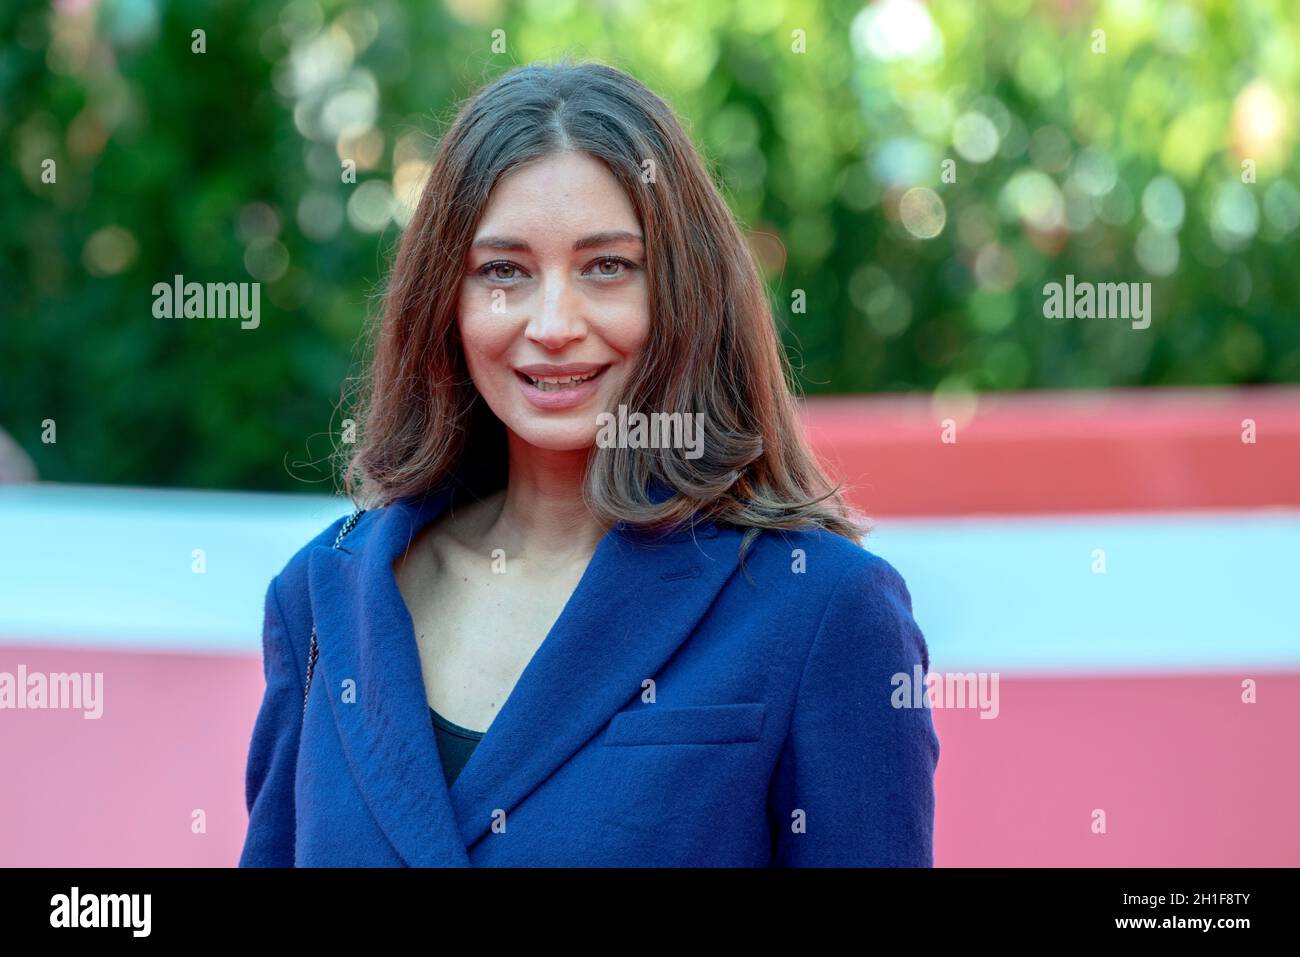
559 383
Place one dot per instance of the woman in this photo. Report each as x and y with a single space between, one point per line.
548 640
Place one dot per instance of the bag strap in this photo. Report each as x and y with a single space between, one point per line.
313 651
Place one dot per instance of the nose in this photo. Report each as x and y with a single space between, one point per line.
558 319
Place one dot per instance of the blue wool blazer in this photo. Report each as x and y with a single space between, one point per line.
679 713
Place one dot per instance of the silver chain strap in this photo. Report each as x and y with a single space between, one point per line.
314 651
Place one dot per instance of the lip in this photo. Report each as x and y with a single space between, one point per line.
538 369
564 398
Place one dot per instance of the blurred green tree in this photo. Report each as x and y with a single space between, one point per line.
911 175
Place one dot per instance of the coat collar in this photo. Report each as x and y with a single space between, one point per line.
639 598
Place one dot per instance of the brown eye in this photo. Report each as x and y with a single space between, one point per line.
610 267
493 270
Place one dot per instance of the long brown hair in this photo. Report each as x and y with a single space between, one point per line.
712 346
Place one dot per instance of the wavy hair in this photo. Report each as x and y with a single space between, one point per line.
712 345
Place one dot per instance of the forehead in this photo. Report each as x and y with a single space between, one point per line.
561 195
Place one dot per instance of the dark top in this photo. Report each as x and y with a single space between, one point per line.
455 745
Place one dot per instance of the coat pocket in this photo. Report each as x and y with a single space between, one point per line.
699 724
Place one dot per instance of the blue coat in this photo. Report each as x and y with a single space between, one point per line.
771 739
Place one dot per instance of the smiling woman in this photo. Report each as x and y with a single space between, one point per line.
647 654
576 277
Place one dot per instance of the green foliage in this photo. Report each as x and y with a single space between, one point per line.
224 166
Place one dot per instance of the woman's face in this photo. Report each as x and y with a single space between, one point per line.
554 293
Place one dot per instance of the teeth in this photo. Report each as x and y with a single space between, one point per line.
555 383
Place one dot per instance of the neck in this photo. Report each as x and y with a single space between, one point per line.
542 516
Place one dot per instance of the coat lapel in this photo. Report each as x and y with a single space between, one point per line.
639 598
634 606
364 633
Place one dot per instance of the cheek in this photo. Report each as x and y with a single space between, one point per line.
626 328
483 334
480 351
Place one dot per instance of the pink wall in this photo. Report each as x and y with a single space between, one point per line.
1187 775
121 790
1064 452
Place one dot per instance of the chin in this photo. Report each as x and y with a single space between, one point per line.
556 437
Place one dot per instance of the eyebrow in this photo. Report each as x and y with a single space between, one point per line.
511 244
